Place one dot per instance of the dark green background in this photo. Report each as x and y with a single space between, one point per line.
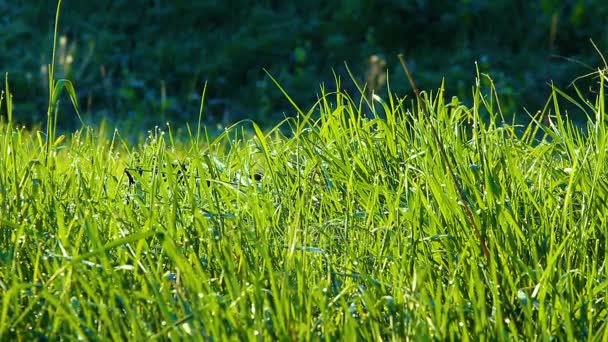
125 52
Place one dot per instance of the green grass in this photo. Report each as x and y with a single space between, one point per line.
353 221
330 226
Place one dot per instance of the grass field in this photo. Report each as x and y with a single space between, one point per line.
385 220
413 223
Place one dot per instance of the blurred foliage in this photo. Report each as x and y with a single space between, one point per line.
141 62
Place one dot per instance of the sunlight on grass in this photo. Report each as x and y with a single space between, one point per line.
380 220
331 226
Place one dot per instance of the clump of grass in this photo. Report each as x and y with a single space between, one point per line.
346 227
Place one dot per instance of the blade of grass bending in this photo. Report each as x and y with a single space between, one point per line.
442 152
118 242
69 87
305 116
200 115
359 88
300 111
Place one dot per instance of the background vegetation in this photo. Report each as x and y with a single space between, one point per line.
141 62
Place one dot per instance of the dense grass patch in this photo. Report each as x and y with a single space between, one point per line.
332 225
